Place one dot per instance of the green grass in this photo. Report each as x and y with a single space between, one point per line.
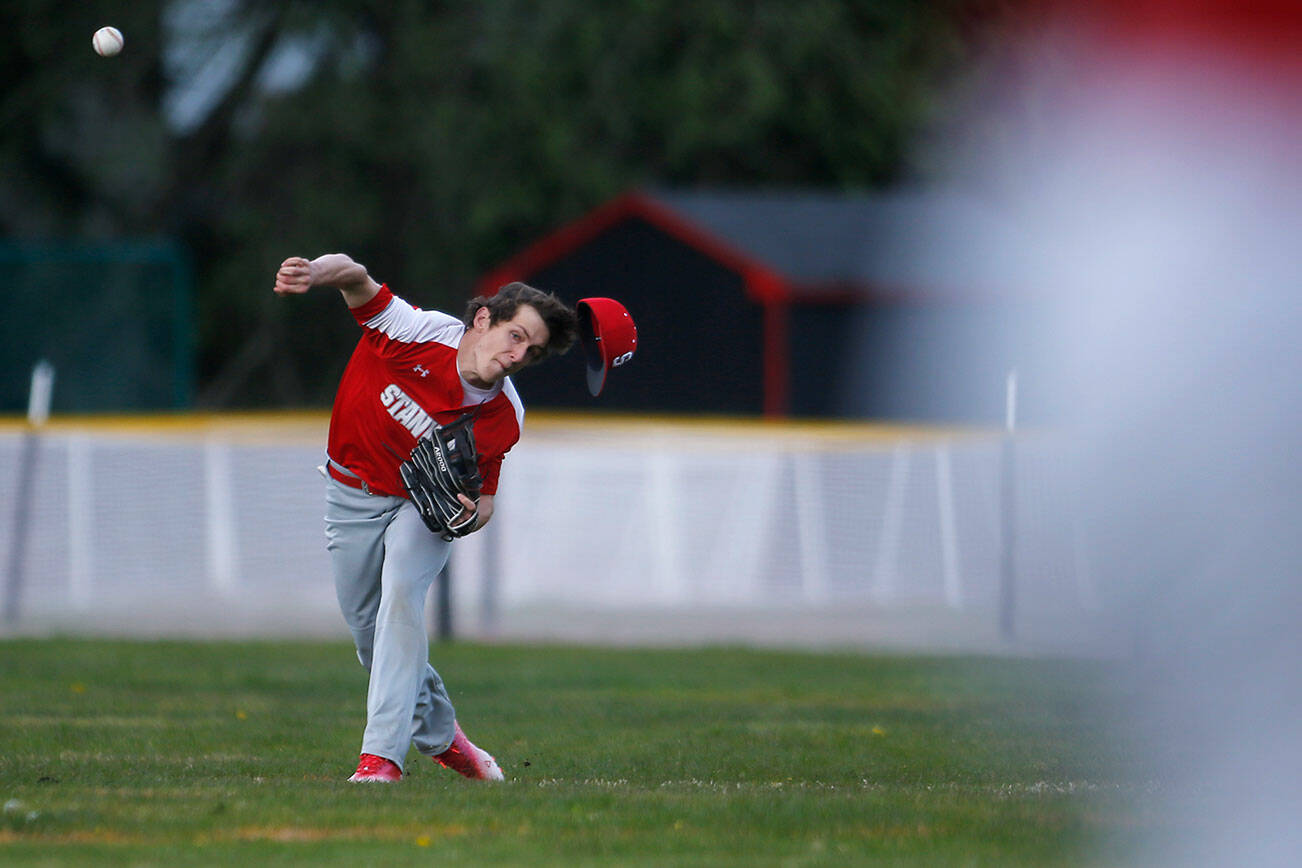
217 753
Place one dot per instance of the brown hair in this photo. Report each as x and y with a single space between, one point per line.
560 319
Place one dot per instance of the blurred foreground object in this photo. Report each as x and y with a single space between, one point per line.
1149 152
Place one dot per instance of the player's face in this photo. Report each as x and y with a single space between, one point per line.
507 346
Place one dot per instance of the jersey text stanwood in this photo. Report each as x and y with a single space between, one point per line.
406 411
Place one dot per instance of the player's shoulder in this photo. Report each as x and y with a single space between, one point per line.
399 319
439 326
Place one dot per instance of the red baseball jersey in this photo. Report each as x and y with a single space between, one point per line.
401 381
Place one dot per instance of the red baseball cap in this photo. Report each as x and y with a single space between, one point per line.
609 337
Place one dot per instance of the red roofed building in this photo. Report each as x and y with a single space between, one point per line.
764 303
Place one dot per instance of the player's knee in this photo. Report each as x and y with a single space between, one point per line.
406 591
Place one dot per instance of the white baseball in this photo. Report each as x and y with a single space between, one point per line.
108 41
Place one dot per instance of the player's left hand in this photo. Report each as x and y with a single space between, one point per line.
469 508
441 478
294 276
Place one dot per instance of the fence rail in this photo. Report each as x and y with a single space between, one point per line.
220 533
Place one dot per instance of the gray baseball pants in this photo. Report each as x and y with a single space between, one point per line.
384 560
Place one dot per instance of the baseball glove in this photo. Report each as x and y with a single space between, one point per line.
443 465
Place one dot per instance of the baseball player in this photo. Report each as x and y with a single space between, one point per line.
414 370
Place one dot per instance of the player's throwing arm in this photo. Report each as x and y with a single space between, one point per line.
297 275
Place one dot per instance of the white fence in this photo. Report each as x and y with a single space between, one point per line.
628 531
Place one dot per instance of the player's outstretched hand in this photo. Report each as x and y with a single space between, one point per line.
294 276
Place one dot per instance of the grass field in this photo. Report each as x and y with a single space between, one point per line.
223 753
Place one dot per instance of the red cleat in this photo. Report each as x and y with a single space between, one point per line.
466 759
376 769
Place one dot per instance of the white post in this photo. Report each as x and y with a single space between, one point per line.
220 503
1008 514
1010 402
810 525
732 573
38 410
81 522
948 531
892 523
42 390
665 500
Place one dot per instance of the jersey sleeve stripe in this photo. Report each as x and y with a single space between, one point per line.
508 389
399 321
374 306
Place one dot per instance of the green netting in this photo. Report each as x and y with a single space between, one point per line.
115 320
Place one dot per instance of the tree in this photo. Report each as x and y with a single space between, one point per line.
432 140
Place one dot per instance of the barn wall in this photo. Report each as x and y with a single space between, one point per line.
700 338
